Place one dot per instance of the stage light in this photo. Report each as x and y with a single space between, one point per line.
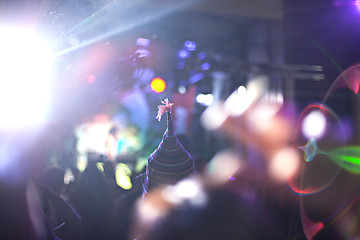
190 45
205 66
158 85
26 66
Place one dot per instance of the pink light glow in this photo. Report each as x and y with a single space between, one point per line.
357 4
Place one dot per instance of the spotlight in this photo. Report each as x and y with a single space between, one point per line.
25 77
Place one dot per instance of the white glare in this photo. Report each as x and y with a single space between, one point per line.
284 164
214 116
237 102
205 99
241 90
188 189
314 124
25 63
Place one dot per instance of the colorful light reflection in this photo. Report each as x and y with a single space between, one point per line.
350 79
310 150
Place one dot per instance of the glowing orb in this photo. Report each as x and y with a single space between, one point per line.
314 124
285 163
158 85
25 76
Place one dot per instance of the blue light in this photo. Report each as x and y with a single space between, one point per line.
183 54
190 45
195 78
181 65
205 66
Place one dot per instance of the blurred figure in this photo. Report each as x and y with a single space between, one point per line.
54 178
111 144
25 155
20 213
193 210
60 215
95 206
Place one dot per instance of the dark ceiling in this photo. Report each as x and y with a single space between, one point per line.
314 32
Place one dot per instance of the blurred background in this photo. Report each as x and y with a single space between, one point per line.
89 74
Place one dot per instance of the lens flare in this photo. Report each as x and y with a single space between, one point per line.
310 150
318 171
330 163
349 79
347 157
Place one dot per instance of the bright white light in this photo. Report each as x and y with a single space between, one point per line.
242 91
182 89
284 164
237 102
188 189
205 99
314 124
25 76
214 116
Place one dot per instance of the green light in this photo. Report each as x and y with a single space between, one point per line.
122 176
347 157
